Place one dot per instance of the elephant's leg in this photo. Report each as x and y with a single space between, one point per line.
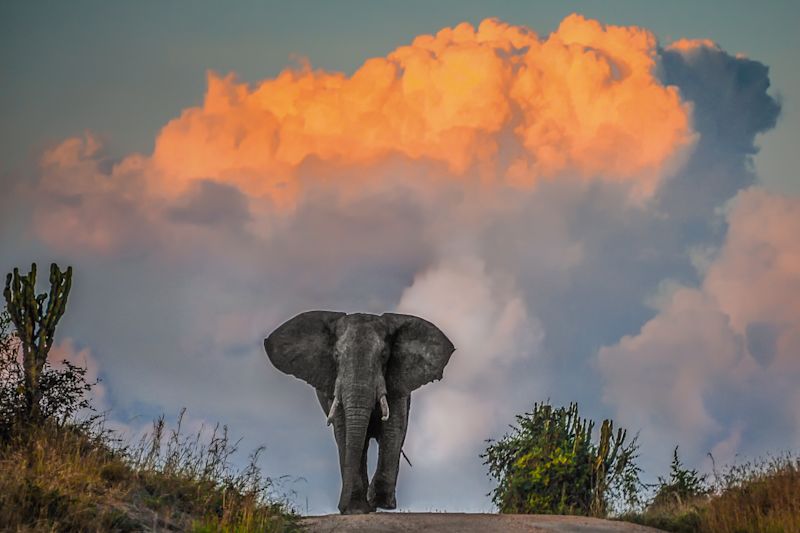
358 497
358 500
382 489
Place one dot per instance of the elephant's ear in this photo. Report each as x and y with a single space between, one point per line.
303 347
420 352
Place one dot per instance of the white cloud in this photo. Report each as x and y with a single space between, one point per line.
489 323
717 368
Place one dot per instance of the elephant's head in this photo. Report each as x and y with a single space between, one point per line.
357 360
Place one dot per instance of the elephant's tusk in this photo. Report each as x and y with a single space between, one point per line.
384 409
332 412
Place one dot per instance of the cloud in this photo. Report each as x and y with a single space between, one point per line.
212 204
530 195
490 326
754 278
494 333
584 101
67 351
730 107
83 204
718 364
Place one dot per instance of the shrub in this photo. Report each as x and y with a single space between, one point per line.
63 392
684 486
548 463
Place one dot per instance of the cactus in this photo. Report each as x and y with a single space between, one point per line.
36 323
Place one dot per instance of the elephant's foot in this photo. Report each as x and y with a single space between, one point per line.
381 496
358 507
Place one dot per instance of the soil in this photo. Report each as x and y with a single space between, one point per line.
467 523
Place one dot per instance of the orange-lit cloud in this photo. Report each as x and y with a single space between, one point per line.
89 207
583 101
687 45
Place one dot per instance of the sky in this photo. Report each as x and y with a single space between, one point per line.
597 202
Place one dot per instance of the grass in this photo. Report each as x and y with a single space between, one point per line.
71 478
761 496
60 474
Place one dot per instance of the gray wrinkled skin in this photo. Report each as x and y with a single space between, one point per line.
364 368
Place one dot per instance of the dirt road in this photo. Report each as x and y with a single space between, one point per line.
466 523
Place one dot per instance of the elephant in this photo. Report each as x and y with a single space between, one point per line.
364 368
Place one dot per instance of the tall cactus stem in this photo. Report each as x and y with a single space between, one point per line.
36 324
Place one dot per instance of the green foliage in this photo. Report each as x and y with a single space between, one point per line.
62 390
678 502
549 464
35 324
683 485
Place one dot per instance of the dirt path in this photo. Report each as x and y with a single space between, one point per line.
466 523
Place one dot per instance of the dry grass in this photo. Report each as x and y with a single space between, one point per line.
60 474
52 479
62 478
760 496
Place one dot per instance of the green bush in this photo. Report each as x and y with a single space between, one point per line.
63 391
683 486
548 463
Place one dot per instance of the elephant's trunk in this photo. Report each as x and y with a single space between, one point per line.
357 411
